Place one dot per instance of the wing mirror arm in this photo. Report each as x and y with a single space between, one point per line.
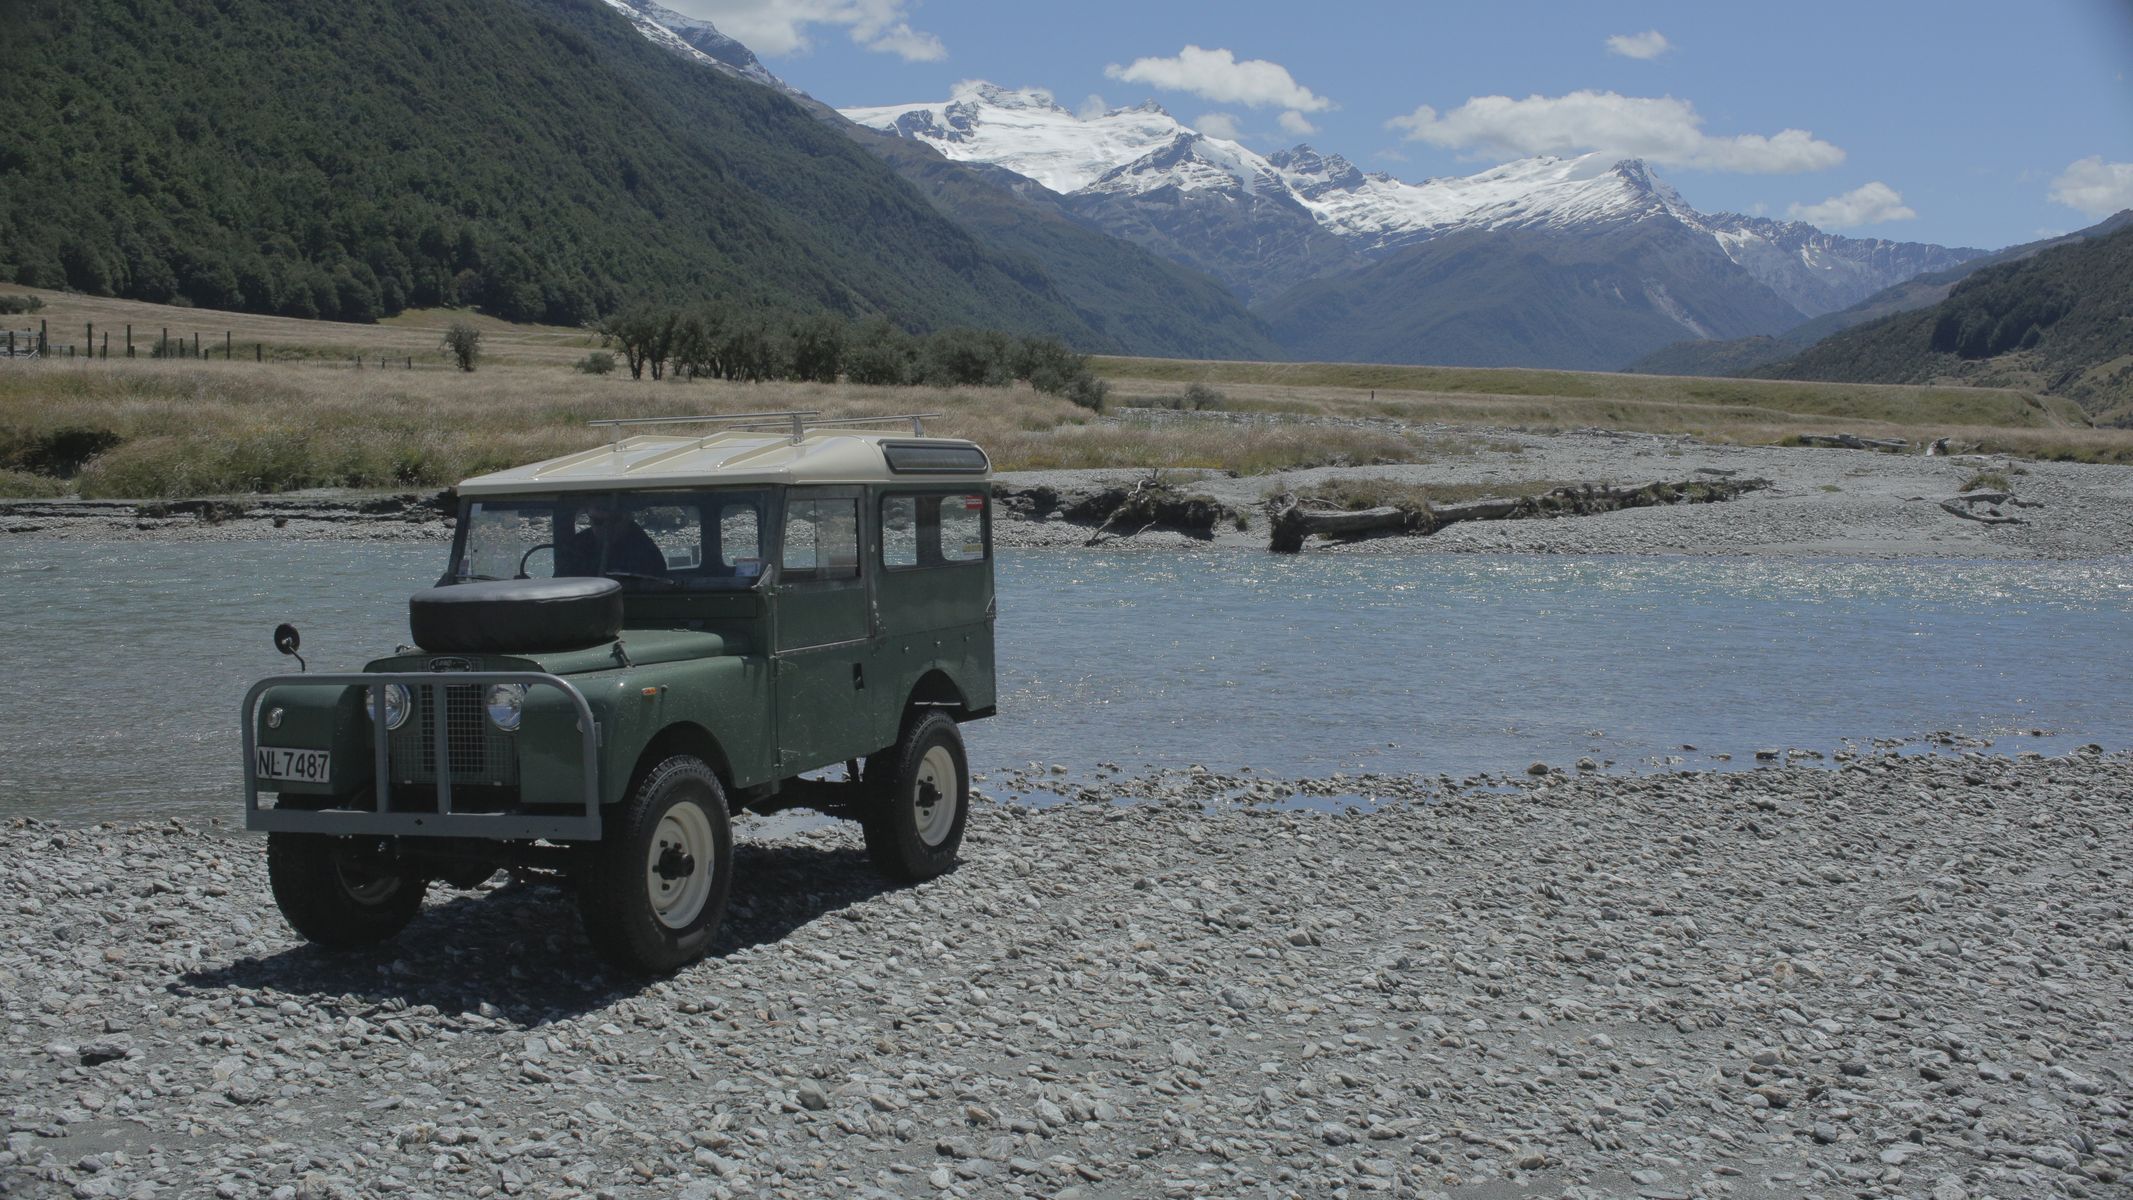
286 640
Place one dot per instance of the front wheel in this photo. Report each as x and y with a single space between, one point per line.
920 800
339 891
653 891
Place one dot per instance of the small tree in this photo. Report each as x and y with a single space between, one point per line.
464 341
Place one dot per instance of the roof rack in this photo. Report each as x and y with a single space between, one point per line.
797 418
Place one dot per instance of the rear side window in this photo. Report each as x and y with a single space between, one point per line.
963 528
932 530
821 539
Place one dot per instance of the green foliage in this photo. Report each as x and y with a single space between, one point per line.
723 341
2061 321
14 304
599 362
1088 392
535 159
463 342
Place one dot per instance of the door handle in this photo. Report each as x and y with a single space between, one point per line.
859 677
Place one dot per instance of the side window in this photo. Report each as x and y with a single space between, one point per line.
899 531
740 540
963 528
821 539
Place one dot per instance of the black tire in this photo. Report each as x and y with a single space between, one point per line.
338 891
908 837
635 886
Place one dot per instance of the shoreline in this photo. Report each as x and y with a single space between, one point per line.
1820 503
1901 976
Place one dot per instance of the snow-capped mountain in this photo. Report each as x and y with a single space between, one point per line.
1581 262
1024 131
697 39
1123 168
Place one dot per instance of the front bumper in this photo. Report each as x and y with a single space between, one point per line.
435 689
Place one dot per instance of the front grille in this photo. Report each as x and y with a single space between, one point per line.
475 751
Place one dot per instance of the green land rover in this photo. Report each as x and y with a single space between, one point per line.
628 644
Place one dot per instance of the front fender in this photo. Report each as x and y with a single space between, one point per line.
319 717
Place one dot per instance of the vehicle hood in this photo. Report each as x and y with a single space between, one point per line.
643 647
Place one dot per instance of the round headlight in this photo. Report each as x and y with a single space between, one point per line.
507 702
396 705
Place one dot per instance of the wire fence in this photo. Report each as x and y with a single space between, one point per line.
20 344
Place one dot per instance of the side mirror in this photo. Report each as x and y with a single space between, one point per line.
287 640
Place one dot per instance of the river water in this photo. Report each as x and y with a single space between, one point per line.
126 661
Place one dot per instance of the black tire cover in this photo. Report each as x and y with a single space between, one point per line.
513 615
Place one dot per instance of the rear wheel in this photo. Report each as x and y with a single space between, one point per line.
339 891
920 800
653 891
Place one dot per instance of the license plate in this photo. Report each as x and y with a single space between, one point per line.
298 766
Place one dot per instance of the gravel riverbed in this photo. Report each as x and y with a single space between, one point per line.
1904 976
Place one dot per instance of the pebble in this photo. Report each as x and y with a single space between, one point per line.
1624 984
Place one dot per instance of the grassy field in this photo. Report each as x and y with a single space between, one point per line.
309 417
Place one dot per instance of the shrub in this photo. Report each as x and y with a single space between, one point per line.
1200 396
464 342
599 362
21 304
1088 392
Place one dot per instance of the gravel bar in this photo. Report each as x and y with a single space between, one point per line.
1905 976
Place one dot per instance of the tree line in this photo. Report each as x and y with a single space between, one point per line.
724 341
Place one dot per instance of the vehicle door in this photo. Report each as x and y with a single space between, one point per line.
824 629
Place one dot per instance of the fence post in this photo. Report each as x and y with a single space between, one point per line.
259 352
163 344
89 335
196 343
107 344
11 343
129 341
44 346
410 362
226 345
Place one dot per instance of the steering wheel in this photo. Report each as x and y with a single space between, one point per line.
528 556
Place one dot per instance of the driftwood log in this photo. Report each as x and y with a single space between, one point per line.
1964 506
1293 522
1847 441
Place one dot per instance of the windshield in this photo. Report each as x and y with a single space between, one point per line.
650 541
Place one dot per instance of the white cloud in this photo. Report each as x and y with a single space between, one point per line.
1296 124
1663 130
1217 75
1867 204
1649 44
2094 186
777 28
1218 125
1092 107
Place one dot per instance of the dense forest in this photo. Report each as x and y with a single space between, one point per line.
537 159
2059 322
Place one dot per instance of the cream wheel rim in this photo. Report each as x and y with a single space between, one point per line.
937 793
678 865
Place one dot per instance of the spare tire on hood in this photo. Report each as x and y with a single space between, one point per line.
508 616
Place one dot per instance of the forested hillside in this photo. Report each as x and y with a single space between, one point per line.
2060 322
1741 356
538 159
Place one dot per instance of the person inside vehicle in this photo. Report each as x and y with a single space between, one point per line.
610 544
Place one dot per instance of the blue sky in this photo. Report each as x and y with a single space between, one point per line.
1987 124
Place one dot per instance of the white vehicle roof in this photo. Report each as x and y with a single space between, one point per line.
773 448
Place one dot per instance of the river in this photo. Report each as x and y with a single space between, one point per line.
127 660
